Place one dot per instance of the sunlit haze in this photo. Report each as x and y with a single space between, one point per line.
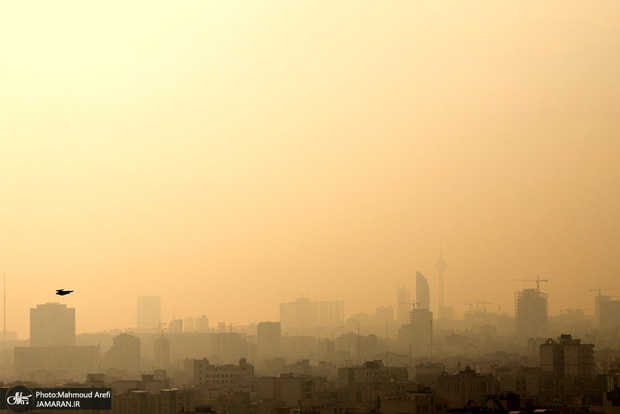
227 156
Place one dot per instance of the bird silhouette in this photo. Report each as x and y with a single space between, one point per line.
63 292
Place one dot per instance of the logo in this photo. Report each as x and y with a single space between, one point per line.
19 399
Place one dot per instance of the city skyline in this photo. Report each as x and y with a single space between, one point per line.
212 325
222 156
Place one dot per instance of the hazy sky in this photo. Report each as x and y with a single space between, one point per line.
224 155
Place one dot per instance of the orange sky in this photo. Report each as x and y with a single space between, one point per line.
223 155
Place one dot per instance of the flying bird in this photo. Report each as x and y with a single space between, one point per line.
63 292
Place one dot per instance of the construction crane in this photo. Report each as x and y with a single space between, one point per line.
599 290
537 280
478 303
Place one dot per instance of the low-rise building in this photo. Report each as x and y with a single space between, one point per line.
467 387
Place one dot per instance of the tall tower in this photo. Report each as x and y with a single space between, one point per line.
422 291
441 266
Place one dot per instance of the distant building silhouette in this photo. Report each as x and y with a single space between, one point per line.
416 337
403 305
445 312
188 324
422 291
330 313
176 325
607 312
149 313
304 316
162 352
531 313
52 324
72 361
124 353
201 324
467 387
269 340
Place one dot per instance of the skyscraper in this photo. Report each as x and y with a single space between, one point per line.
269 339
52 324
422 291
149 313
162 353
304 316
531 309
403 305
445 312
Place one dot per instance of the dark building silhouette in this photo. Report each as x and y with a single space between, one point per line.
162 352
531 313
416 337
52 324
124 353
403 305
269 340
422 292
467 387
607 312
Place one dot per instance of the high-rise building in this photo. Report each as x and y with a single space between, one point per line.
298 315
124 353
403 305
52 324
330 313
162 352
304 316
567 358
149 313
422 292
188 324
269 340
445 312
416 337
202 324
607 312
176 326
531 310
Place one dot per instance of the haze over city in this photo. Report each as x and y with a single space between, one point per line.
228 156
